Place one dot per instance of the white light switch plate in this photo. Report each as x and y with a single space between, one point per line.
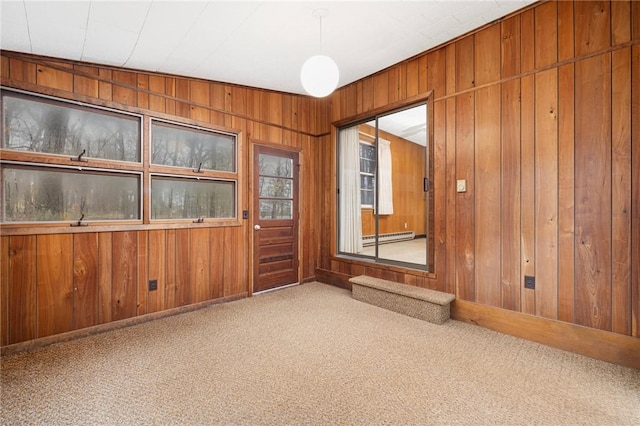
461 185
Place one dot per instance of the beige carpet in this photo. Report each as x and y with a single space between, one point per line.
311 355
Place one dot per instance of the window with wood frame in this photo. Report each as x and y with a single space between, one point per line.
69 162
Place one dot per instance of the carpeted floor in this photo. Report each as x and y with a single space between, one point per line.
311 355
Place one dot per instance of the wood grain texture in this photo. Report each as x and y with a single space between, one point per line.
593 191
527 191
184 288
54 284
546 198
510 196
593 26
566 202
527 40
4 290
199 258
105 276
157 270
621 191
465 63
635 183
54 78
22 289
437 72
487 48
451 197
510 46
85 280
546 34
598 344
487 195
125 275
620 22
142 267
465 220
566 36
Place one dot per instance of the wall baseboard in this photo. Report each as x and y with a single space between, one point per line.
603 345
103 328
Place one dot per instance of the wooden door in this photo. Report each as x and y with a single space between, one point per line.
275 213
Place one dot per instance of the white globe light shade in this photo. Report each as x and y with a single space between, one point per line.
319 76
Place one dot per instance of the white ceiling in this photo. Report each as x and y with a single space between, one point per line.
255 43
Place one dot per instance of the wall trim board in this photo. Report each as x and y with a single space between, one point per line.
42 342
603 345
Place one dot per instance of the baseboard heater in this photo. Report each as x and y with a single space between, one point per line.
393 237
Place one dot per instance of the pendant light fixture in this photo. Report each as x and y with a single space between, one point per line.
319 74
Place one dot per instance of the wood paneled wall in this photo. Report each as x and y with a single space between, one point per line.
58 279
538 112
409 204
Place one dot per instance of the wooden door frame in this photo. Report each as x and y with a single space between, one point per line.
253 143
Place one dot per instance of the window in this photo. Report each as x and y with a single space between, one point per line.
383 197
189 151
173 198
181 146
49 126
42 194
68 162
367 174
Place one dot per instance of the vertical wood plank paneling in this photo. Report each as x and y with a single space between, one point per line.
566 211
465 224
621 191
199 93
4 291
156 85
546 195
157 269
546 34
510 46
635 21
566 37
635 179
143 272
230 259
124 88
85 280
380 89
527 191
593 26
527 28
142 90
54 284
436 72
105 276
412 79
86 86
216 266
105 89
54 78
438 195
465 63
422 70
451 196
450 53
510 195
199 264
488 51
20 70
170 288
22 289
620 22
487 194
183 281
125 275
593 191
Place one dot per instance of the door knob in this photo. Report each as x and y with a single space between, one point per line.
256 227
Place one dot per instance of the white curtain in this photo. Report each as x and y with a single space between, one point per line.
350 213
385 186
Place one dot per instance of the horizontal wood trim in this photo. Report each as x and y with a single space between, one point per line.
594 343
41 229
114 325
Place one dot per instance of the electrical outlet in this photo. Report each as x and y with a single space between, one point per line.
461 185
153 285
529 282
